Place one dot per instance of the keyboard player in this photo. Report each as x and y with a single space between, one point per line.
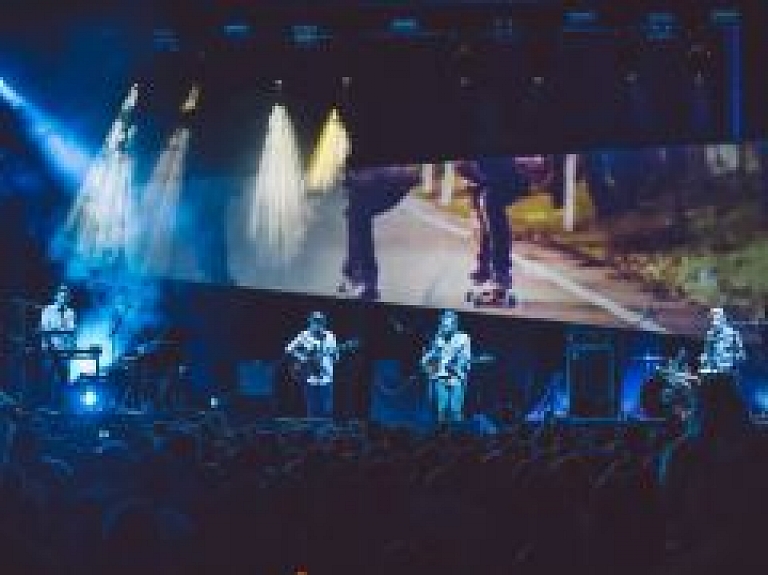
57 331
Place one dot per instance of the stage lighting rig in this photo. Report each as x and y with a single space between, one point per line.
309 34
237 30
662 26
165 40
190 104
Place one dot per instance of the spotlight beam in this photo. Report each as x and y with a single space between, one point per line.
160 201
278 210
101 225
330 154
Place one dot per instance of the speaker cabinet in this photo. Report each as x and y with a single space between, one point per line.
591 377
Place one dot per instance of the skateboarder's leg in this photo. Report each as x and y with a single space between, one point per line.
482 236
376 201
500 238
352 268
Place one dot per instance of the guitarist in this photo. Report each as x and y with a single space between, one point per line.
315 351
447 362
724 346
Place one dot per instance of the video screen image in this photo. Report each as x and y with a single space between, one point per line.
645 238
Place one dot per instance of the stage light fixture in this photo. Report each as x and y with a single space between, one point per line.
307 34
89 398
405 26
165 40
580 20
92 398
661 26
132 99
725 16
190 103
506 30
237 30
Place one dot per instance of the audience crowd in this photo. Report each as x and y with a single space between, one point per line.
553 498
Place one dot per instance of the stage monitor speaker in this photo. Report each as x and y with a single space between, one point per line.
256 378
591 377
396 397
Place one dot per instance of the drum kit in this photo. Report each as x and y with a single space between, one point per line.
671 384
145 375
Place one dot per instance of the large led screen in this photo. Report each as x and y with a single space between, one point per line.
645 238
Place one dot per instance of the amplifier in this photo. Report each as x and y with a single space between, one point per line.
591 379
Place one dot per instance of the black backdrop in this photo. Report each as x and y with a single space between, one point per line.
226 326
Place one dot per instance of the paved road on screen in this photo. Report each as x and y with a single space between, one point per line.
425 256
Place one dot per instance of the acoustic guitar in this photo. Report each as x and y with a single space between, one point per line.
312 362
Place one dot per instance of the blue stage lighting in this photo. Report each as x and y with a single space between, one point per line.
581 21
237 30
89 398
165 40
760 400
214 402
725 17
60 147
309 33
407 27
10 95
